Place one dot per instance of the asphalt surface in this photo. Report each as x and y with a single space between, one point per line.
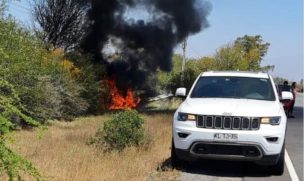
243 171
294 139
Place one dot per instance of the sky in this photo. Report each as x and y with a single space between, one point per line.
279 22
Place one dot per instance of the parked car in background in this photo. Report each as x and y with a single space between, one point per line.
287 103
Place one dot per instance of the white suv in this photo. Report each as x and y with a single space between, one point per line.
231 116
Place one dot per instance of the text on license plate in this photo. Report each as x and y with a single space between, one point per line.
225 137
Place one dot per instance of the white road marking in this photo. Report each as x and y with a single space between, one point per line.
290 167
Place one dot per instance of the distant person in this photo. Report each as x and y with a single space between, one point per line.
286 86
293 90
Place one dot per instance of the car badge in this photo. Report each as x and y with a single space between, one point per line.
227 114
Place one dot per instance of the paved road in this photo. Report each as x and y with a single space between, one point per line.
294 139
243 171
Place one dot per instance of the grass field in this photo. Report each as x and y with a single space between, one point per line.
62 153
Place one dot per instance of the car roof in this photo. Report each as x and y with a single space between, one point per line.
236 74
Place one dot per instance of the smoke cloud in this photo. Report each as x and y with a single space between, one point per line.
141 46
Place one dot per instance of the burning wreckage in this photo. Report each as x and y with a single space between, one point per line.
142 46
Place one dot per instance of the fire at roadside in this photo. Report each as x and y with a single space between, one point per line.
119 100
142 46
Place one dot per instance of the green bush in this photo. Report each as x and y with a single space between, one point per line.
46 82
170 81
12 114
13 164
12 111
124 129
89 79
175 81
10 108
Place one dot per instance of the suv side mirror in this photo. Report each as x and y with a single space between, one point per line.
181 92
286 95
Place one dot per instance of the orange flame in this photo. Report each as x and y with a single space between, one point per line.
120 102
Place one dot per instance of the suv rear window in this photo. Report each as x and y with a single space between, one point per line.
233 87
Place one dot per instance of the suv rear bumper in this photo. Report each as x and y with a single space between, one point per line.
227 151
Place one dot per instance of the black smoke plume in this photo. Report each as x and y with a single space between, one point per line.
142 46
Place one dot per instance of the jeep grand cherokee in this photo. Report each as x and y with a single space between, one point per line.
231 116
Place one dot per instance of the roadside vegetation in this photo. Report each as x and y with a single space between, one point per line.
123 130
244 54
37 84
63 154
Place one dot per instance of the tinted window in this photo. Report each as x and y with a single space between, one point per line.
233 87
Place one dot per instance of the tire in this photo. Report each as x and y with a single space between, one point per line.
278 169
175 161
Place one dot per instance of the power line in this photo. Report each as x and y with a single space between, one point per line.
20 10
14 10
17 9
194 51
20 6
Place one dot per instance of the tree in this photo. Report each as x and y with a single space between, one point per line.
62 21
170 81
268 68
301 85
230 57
254 48
12 112
206 64
244 54
279 80
3 6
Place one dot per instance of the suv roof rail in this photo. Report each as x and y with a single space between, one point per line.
234 71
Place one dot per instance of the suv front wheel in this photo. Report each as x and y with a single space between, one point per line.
278 169
175 161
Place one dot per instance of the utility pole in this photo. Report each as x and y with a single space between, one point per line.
184 46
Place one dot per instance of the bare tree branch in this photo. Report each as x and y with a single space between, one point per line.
62 21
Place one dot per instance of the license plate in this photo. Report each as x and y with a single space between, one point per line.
225 137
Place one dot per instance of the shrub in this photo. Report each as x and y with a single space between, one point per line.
170 81
89 78
46 82
11 113
124 129
10 108
14 165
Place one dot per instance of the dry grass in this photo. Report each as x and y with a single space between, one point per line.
62 153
